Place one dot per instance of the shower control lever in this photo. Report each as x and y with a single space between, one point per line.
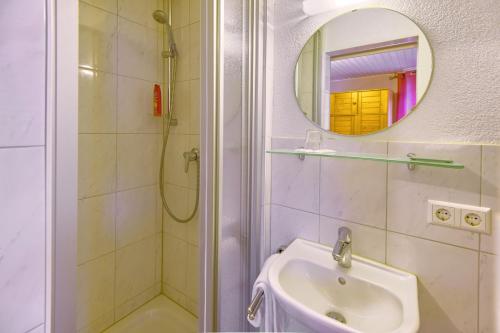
190 156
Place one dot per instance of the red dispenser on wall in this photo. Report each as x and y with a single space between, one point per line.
157 101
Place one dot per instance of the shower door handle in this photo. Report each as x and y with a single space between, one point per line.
190 156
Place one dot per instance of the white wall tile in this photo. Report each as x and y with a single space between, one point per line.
138 11
175 257
96 227
95 289
108 5
22 238
180 13
38 329
288 224
174 161
135 269
135 105
181 108
98 325
138 160
22 64
194 11
367 241
194 107
295 183
408 191
354 190
177 199
135 302
136 215
194 50
490 196
181 37
98 42
193 276
448 280
138 51
96 102
489 293
96 164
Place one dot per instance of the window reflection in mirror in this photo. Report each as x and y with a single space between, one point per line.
363 71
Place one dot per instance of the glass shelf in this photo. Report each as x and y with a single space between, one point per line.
411 162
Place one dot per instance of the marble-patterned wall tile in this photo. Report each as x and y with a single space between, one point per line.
22 64
137 50
138 160
135 105
136 215
490 196
448 294
408 191
96 101
354 190
489 293
367 241
95 289
288 224
22 238
96 227
135 269
96 164
98 42
295 183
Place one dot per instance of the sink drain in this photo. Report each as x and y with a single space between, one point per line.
337 316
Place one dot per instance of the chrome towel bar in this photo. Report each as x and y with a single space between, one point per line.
254 306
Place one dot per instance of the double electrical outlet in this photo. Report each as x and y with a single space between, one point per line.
453 215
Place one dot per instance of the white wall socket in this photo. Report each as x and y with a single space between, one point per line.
453 215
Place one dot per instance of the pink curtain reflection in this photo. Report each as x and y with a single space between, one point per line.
407 93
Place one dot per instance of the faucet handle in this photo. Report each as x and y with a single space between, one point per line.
345 235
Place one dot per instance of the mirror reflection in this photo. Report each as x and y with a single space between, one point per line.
363 71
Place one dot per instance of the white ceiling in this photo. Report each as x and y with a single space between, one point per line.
373 64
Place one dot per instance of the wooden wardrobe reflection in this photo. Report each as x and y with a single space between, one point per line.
359 112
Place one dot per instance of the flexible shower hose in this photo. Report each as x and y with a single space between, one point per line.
170 111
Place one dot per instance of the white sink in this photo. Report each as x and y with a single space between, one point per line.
369 296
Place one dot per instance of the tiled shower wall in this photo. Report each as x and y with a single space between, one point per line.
181 254
119 215
385 206
22 166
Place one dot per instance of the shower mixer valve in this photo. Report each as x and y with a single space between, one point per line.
190 156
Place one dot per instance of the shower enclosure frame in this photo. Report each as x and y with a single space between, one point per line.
62 33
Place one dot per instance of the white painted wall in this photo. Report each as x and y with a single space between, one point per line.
22 166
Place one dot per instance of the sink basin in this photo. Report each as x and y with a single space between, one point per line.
369 297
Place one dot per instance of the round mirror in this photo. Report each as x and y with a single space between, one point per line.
363 71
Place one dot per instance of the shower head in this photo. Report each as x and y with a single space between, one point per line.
160 16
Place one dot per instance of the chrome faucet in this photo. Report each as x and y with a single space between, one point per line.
342 250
